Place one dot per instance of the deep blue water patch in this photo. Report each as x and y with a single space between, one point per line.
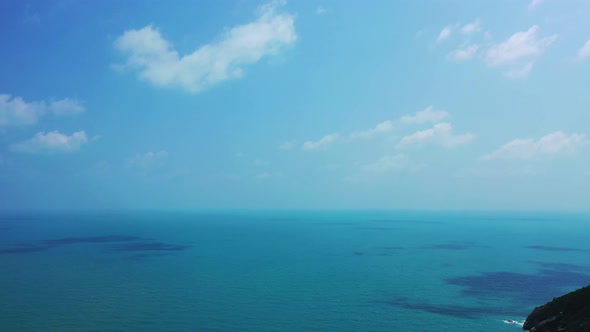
146 256
335 223
122 243
458 245
450 246
91 239
401 221
23 249
529 289
549 248
563 266
515 218
388 251
150 246
458 311
379 228
16 218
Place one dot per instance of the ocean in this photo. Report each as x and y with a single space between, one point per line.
286 270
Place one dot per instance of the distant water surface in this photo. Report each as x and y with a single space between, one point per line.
285 270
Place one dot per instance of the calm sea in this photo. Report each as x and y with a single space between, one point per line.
285 270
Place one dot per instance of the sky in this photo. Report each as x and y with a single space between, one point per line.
428 105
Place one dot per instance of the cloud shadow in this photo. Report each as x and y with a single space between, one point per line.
457 311
150 246
457 245
559 249
527 289
379 228
119 243
401 221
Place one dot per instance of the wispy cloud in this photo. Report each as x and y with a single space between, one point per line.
519 51
465 53
320 10
160 64
472 27
440 134
263 175
534 4
389 163
261 163
16 111
427 115
144 161
66 106
516 55
288 145
381 128
584 51
469 28
520 72
521 45
52 142
322 143
268 175
557 143
445 33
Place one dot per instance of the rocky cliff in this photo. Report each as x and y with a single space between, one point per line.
569 313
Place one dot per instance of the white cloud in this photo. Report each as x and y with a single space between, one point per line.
261 163
472 27
320 10
383 127
520 50
323 143
66 106
489 171
52 142
16 111
521 72
268 175
263 175
160 64
424 116
584 52
534 4
445 33
393 163
557 143
441 134
288 145
521 45
465 53
148 160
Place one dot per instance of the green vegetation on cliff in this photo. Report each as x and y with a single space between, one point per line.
570 312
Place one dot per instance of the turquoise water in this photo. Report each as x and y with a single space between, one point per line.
286 271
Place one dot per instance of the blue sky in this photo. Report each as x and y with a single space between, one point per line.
303 104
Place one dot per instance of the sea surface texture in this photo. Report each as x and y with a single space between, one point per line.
286 271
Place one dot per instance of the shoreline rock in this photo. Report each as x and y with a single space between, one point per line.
570 312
